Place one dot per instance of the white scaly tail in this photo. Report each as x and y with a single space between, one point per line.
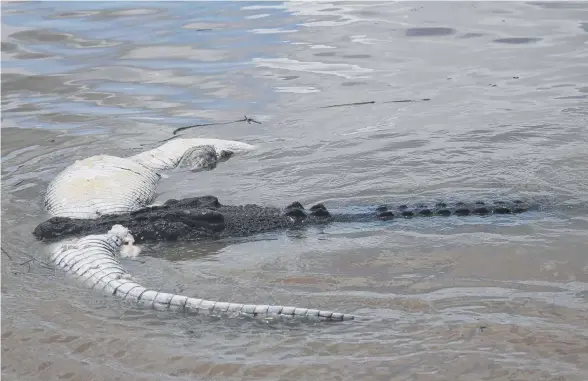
93 261
112 185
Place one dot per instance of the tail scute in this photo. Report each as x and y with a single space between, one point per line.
445 209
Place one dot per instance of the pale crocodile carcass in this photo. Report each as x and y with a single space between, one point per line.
107 185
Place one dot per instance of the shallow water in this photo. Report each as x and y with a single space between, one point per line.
498 298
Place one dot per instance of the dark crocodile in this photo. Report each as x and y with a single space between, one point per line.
204 218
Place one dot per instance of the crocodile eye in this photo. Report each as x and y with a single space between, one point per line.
296 215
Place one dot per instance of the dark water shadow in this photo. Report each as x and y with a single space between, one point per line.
426 32
517 40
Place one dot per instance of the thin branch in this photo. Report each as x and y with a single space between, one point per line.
158 142
245 119
5 252
38 262
28 261
350 104
409 100
251 120
373 102
9 257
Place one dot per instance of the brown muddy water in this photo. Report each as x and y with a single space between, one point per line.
495 298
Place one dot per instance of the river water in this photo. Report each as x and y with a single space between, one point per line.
496 298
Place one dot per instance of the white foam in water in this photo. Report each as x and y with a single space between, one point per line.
347 71
322 47
297 90
272 31
258 7
259 16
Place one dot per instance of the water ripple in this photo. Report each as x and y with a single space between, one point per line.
494 298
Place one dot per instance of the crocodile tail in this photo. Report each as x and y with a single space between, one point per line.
93 261
385 212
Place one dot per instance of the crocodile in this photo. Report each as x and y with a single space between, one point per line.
205 218
101 207
102 187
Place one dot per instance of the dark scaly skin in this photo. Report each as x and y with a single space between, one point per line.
204 218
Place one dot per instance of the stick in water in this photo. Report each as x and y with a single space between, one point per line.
373 102
245 119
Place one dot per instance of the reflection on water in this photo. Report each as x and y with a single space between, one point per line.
497 298
137 62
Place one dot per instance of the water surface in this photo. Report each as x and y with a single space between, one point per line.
497 298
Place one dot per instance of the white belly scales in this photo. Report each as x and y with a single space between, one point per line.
105 184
